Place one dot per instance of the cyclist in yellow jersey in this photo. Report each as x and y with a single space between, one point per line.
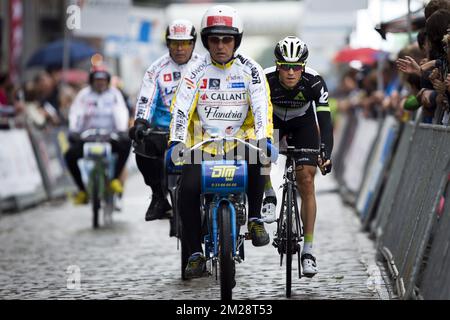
222 95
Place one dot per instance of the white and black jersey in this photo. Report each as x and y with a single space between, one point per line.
302 109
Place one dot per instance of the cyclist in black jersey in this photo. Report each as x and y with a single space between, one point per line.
300 109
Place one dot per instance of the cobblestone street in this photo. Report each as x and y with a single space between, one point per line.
134 259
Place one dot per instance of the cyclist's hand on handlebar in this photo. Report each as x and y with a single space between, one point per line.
324 161
175 152
123 136
174 156
324 166
268 148
136 132
74 137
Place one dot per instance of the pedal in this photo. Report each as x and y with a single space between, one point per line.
308 275
268 210
240 250
275 242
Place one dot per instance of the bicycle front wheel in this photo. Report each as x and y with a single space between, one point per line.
176 228
95 196
289 235
184 254
226 262
108 207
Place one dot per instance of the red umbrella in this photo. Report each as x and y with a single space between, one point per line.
365 55
75 76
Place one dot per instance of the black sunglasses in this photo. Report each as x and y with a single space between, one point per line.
217 39
288 66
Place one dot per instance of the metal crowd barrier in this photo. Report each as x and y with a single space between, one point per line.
32 168
49 148
343 135
21 184
434 282
394 175
357 151
408 230
378 164
403 199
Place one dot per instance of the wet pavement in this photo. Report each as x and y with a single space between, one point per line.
52 252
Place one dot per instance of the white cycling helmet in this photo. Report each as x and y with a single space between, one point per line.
221 20
291 49
181 30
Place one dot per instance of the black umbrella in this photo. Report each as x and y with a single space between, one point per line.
52 54
400 24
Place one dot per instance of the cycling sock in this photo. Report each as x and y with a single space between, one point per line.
268 189
307 247
198 253
269 193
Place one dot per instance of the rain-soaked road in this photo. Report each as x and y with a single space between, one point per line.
43 248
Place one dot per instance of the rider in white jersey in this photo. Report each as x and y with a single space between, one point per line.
106 110
98 106
153 110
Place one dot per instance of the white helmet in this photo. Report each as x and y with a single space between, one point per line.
222 20
291 49
181 30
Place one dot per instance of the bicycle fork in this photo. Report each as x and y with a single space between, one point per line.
280 240
214 229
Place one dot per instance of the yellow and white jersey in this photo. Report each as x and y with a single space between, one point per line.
222 100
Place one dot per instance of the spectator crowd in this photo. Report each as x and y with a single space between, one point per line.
415 85
43 102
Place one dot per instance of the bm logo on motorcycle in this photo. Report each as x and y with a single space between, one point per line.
226 172
224 176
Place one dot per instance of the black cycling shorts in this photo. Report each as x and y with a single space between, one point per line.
303 132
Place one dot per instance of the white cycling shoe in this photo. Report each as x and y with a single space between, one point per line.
309 265
269 209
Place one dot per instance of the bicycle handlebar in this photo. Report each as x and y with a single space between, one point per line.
292 151
302 151
224 139
155 131
104 133
218 139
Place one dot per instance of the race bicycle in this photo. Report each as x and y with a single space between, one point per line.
223 207
289 233
98 164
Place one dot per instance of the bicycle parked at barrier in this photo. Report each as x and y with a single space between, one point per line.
289 233
223 208
98 163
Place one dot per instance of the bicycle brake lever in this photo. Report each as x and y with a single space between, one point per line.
322 158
